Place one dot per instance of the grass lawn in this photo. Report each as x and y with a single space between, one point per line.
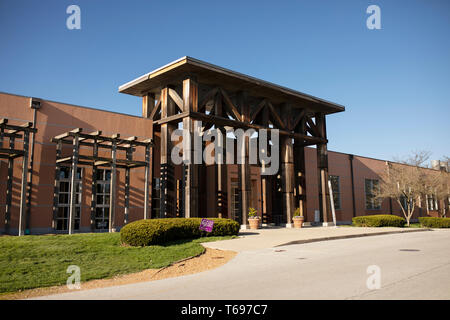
41 261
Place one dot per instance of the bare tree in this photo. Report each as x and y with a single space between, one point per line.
405 182
438 184
418 158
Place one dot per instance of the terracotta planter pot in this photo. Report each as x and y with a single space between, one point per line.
298 222
254 223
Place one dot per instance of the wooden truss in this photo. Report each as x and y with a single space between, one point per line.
189 89
13 132
95 140
298 126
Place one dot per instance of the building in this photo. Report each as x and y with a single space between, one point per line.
175 96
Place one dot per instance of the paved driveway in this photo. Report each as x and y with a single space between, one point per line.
412 265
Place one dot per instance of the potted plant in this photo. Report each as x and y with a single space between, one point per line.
253 218
298 219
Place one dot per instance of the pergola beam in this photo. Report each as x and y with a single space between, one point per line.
77 139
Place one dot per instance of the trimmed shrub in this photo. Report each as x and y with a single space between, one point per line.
379 220
434 222
159 231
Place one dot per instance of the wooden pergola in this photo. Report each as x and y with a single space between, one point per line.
13 132
189 89
95 140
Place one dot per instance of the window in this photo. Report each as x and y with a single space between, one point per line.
235 206
432 203
371 186
103 188
404 203
156 197
335 187
62 216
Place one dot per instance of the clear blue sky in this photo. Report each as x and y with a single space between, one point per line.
394 82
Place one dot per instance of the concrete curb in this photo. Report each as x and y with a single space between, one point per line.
349 236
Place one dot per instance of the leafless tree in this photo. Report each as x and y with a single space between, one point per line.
418 158
405 182
409 180
438 184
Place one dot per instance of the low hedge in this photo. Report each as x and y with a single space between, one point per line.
159 231
379 220
434 222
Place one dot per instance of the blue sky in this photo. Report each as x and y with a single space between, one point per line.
394 82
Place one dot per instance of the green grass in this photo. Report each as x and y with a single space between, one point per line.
40 261
414 225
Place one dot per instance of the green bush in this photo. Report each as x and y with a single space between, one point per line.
379 220
159 231
434 222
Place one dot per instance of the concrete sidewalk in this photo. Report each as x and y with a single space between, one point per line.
272 237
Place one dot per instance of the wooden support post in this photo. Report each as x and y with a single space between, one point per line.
30 178
56 185
149 175
9 186
167 208
94 187
244 172
221 177
191 174
190 103
112 189
73 177
127 187
244 166
300 169
148 103
24 182
322 165
287 178
300 179
266 189
147 184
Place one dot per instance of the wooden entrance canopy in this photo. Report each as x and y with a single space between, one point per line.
189 89
13 132
96 141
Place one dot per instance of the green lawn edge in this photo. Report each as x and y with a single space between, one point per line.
38 261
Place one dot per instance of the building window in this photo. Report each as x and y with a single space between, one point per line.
404 203
156 197
432 203
235 207
102 199
370 187
62 217
336 188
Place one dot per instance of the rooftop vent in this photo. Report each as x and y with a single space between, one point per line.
440 165
35 103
